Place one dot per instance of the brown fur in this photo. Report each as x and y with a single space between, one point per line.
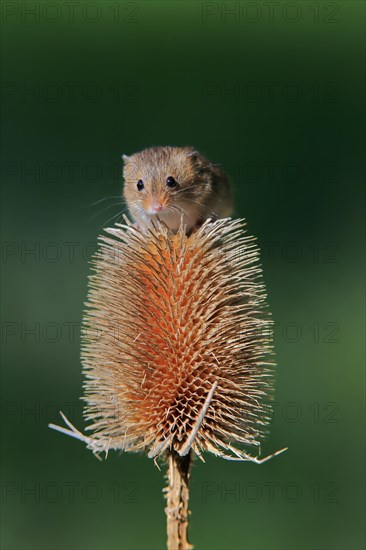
202 190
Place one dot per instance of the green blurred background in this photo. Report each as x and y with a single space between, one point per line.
273 92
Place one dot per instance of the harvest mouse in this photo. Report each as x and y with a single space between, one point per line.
168 182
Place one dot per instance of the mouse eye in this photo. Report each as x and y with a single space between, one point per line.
140 185
170 181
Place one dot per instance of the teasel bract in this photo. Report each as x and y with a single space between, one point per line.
177 350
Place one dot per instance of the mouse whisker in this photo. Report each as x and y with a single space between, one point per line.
102 211
199 207
117 217
101 200
184 189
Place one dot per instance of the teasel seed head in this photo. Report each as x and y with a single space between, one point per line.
177 347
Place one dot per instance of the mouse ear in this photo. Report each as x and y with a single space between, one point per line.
125 158
192 153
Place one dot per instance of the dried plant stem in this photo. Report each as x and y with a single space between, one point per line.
177 494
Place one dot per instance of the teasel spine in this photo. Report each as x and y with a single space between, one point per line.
228 263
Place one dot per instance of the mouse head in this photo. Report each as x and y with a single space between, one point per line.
166 182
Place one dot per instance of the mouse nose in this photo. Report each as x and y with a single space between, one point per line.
157 207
